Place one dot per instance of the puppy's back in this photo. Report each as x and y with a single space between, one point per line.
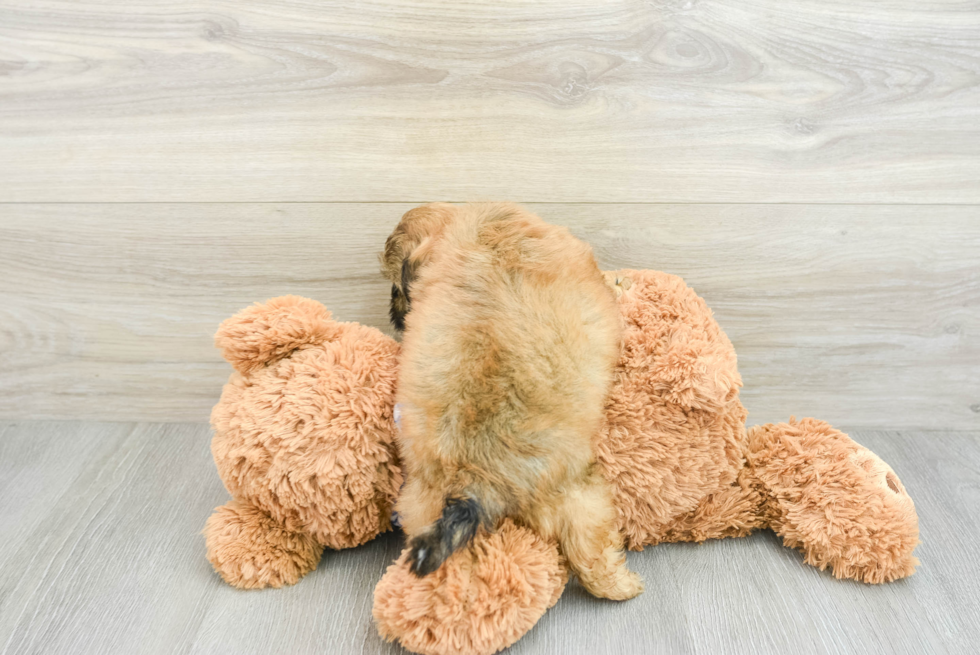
507 359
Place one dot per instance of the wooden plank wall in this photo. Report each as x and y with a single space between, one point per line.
864 315
811 168
561 100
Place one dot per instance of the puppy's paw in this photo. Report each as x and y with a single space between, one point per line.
426 554
627 586
616 283
621 585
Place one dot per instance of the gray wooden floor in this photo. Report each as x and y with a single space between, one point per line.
100 553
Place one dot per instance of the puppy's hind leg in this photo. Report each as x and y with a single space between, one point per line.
592 543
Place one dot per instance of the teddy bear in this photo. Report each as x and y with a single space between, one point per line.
305 440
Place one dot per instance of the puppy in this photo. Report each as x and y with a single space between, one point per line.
511 336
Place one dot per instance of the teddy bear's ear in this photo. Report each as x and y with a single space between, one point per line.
262 334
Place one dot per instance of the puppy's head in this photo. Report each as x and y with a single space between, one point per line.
407 250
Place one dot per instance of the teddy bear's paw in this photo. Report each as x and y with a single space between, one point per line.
252 551
481 600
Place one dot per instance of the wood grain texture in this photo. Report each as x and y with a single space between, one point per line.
563 100
100 553
862 316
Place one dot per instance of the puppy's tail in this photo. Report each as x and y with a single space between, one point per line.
461 517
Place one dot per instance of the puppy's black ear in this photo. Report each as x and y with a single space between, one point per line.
398 309
401 299
408 277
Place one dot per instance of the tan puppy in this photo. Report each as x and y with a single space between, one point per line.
511 337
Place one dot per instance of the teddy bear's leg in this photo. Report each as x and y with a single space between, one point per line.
481 600
736 511
834 500
250 550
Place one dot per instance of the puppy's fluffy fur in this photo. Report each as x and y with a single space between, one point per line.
511 337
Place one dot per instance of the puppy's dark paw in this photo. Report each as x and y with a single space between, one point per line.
425 555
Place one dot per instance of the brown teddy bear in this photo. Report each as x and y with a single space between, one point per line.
306 443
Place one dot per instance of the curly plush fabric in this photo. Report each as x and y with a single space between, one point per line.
251 551
835 501
308 439
674 430
481 600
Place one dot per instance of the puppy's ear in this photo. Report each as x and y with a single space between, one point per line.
392 256
398 308
408 276
401 292
406 251
401 298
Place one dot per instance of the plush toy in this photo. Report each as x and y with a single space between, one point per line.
306 444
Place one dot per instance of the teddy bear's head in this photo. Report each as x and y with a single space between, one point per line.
304 429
